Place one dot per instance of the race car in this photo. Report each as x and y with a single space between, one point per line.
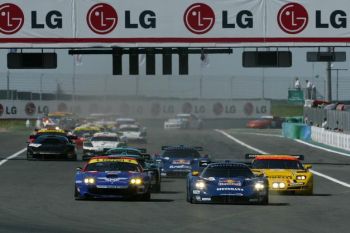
125 121
56 131
265 122
108 177
178 161
227 182
144 160
51 146
133 133
285 173
184 121
83 133
101 143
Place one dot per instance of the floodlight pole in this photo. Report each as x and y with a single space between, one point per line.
329 77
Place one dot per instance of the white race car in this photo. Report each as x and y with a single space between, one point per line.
184 121
101 143
133 133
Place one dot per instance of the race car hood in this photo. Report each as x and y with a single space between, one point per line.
112 178
277 173
177 163
105 144
132 134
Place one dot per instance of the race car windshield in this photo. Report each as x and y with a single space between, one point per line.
227 172
181 153
51 141
122 151
105 139
112 166
81 133
277 164
130 130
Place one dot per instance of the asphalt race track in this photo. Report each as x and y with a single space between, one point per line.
37 196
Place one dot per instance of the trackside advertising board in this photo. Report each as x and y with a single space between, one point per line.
140 109
215 23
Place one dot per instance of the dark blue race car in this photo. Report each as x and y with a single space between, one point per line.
108 177
226 182
178 161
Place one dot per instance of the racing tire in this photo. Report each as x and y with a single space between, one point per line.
77 196
30 157
264 200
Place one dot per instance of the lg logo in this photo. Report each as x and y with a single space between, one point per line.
102 18
292 18
199 18
11 18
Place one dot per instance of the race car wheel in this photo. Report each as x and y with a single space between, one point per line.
77 194
264 200
30 156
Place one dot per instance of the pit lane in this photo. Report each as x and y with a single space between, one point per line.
37 196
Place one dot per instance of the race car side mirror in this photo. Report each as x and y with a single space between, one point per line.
195 173
307 166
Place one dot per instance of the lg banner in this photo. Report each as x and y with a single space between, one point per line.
86 23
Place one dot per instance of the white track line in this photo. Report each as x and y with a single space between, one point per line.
263 152
322 148
12 156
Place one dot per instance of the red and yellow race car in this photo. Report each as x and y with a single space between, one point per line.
285 173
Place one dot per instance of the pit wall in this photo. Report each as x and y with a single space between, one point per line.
316 134
140 109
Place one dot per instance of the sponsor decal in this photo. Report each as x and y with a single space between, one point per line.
179 167
112 179
187 108
102 18
206 199
248 109
99 160
227 182
30 109
182 161
292 18
11 18
230 189
196 191
218 109
199 18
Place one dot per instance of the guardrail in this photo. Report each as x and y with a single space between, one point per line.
331 138
317 115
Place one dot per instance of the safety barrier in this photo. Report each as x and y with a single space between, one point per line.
331 138
296 131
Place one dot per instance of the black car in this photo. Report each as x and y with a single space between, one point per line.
51 146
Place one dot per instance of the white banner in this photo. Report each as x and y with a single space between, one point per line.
140 109
87 23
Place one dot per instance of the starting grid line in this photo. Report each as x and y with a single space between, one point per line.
263 152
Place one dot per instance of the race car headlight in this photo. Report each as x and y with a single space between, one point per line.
136 181
301 177
200 185
259 186
280 185
89 180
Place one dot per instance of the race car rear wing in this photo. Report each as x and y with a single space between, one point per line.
197 148
253 156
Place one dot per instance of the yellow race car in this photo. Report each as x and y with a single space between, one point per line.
285 173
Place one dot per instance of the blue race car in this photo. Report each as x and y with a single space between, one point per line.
108 177
178 161
226 182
